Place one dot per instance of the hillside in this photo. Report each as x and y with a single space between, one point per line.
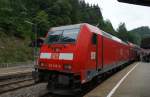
143 31
20 19
13 49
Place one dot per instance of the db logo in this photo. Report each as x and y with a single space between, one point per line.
55 56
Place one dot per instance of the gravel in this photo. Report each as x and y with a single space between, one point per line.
32 91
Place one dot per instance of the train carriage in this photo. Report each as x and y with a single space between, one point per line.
75 54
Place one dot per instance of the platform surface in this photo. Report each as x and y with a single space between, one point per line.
16 70
137 83
132 81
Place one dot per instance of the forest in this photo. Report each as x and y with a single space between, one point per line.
20 19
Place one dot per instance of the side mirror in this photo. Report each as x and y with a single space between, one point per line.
40 42
37 43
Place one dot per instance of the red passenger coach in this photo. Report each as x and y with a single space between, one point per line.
75 54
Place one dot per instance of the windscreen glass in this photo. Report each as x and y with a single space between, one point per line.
62 36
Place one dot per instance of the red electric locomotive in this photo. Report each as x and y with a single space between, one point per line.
75 54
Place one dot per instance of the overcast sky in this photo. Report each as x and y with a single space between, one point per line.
133 15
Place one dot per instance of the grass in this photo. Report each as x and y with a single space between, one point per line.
13 49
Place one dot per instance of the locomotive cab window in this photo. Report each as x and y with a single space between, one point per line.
94 39
62 36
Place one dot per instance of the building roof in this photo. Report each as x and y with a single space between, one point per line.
137 2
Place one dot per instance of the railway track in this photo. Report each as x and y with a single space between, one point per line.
15 84
86 88
15 81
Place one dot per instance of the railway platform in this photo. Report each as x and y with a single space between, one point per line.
17 70
133 81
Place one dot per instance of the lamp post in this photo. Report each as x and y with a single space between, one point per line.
36 36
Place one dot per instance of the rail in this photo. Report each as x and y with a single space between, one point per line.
14 85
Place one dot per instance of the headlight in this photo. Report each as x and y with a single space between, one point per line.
67 66
41 64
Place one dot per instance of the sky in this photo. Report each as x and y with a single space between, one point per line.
132 15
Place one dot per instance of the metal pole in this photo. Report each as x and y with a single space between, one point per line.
35 48
36 36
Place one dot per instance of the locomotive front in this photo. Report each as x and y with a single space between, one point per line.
57 58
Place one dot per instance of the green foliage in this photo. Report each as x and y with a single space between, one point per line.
107 26
12 18
122 32
143 34
128 35
122 27
90 14
145 42
41 23
143 31
44 14
13 49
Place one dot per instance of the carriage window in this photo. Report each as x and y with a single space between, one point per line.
94 39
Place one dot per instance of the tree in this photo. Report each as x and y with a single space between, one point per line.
122 32
134 38
46 14
90 14
127 35
122 27
107 26
41 21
